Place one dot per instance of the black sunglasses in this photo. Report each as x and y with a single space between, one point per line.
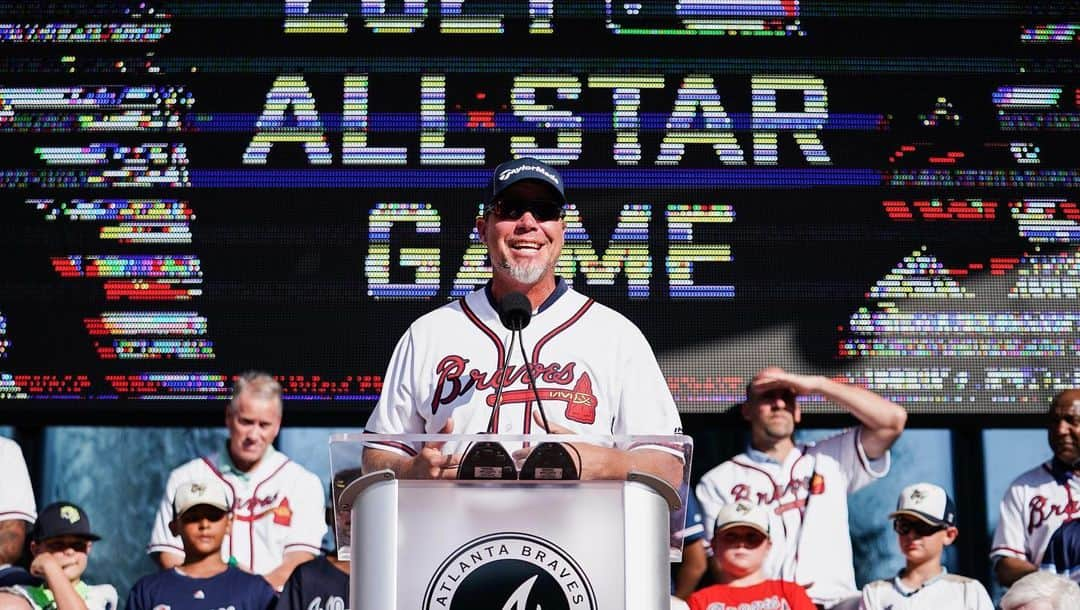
752 539
542 210
906 526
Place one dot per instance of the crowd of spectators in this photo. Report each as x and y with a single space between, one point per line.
242 528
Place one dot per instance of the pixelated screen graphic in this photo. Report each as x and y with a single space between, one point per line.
887 193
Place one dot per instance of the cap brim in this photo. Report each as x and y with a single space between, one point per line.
753 526
189 508
920 516
85 536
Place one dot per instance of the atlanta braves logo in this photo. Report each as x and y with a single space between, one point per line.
456 379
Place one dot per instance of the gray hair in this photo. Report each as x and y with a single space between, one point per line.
258 385
1063 593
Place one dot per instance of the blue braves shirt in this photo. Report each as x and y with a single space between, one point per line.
315 585
1063 551
233 589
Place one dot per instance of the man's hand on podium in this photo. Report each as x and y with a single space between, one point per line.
610 463
430 463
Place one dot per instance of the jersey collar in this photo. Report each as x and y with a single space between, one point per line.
560 289
226 466
902 589
760 457
1061 471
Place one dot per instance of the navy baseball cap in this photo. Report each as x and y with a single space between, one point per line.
62 519
526 168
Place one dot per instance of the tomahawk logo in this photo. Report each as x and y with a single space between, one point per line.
509 571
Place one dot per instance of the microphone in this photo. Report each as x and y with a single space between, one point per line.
549 460
487 459
515 311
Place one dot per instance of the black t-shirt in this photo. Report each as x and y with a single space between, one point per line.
315 585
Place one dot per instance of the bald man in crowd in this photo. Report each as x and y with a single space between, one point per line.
1039 501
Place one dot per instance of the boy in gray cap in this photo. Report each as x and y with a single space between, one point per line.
925 523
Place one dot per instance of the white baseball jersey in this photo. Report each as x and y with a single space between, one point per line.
16 494
806 497
1035 505
943 591
277 508
594 371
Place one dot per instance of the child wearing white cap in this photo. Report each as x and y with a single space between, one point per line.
202 516
925 523
740 544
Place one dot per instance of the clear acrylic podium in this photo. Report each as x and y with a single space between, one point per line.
507 545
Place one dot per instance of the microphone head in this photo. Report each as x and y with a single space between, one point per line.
515 311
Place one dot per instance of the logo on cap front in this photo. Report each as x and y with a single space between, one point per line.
742 508
197 489
69 514
917 496
507 173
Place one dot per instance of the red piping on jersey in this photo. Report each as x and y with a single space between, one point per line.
558 329
218 474
396 445
1007 548
540 344
251 524
500 350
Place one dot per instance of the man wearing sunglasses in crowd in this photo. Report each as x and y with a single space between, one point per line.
805 487
446 369
60 544
925 523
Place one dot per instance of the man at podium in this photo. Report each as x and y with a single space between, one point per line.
457 369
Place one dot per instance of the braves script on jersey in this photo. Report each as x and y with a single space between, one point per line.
1034 506
594 371
767 595
807 492
277 508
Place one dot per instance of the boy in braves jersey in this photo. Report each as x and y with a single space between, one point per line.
805 487
203 581
278 513
925 523
594 370
1040 500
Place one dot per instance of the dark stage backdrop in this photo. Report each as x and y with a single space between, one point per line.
885 192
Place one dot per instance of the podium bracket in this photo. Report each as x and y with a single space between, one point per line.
658 485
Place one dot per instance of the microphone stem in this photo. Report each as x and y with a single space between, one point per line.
502 383
532 383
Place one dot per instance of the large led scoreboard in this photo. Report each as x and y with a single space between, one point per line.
884 192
